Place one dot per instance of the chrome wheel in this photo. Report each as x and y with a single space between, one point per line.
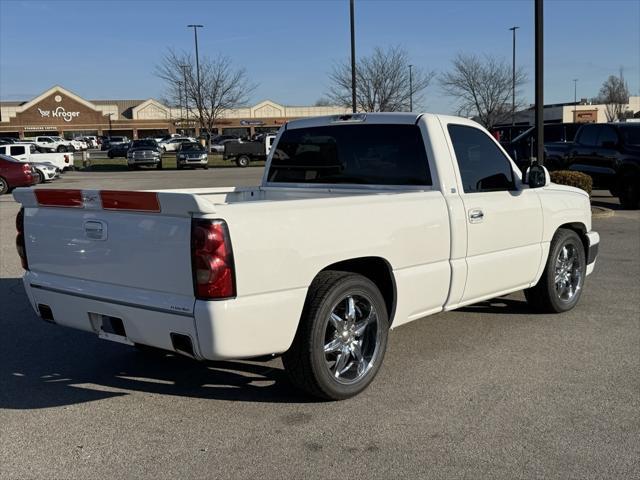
352 339
568 273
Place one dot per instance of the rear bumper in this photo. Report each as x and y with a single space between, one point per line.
592 250
228 329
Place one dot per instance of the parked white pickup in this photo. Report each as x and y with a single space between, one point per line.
57 144
362 223
27 152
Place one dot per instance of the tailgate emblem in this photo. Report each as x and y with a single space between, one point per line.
95 229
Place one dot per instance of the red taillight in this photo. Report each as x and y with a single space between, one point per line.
212 260
20 243
26 167
66 159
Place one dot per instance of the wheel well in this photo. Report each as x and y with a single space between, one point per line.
581 230
377 270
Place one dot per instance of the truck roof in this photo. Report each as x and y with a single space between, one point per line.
374 118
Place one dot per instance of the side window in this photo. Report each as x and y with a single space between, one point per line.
608 137
17 150
588 136
483 167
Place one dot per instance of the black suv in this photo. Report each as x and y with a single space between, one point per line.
144 152
609 153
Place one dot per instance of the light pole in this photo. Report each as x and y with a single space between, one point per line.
575 99
513 78
186 90
195 35
180 103
410 89
539 80
110 124
353 57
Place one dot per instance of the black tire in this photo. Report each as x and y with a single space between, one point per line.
179 166
61 148
307 364
110 155
629 193
544 296
39 177
71 148
159 165
206 167
243 161
4 186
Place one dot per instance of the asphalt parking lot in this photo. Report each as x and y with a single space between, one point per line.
490 391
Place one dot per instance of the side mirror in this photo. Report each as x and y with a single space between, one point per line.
537 176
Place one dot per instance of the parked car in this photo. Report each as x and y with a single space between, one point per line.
50 143
90 142
80 144
244 153
27 152
192 154
507 133
118 150
44 172
354 230
14 173
5 140
163 138
144 153
72 145
172 144
113 141
523 147
609 153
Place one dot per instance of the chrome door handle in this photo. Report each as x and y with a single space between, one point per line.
476 215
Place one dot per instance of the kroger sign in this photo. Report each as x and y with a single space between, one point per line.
59 112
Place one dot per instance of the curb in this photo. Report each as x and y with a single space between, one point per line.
601 212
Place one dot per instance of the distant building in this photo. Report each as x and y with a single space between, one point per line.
584 111
61 112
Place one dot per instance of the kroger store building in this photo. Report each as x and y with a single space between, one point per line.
61 112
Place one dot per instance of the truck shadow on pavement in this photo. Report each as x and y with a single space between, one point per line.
44 365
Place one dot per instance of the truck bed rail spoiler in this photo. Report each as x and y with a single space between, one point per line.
167 203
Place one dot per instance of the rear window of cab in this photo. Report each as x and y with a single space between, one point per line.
351 154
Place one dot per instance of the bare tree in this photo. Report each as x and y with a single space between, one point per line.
482 86
614 93
322 102
223 87
382 82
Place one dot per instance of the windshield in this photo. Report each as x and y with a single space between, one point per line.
144 143
351 154
631 135
192 146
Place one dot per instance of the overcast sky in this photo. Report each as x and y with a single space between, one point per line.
108 49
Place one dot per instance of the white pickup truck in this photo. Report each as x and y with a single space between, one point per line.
57 144
27 152
362 223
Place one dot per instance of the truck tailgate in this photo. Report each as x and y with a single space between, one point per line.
101 242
